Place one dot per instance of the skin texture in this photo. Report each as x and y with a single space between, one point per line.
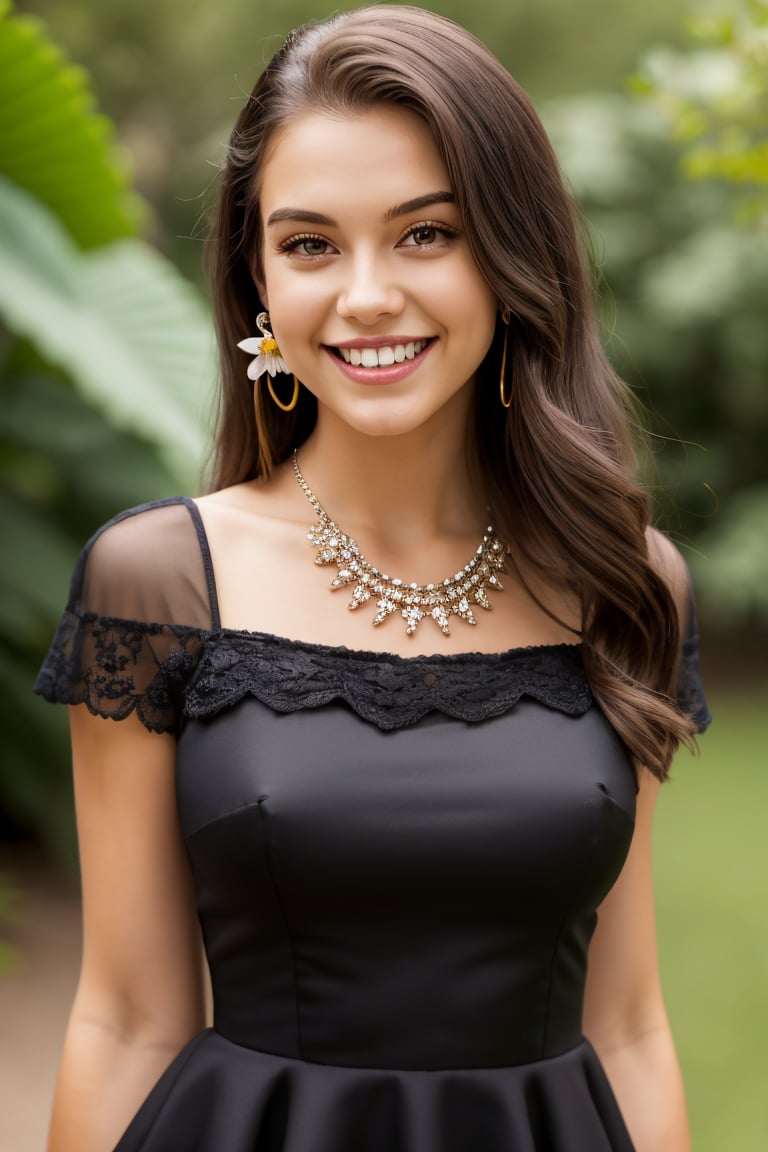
140 994
624 1013
365 276
625 1018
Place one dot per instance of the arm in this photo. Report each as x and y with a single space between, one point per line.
139 998
625 1017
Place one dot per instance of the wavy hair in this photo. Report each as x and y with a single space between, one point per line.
559 466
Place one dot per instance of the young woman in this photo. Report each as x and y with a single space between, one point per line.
399 824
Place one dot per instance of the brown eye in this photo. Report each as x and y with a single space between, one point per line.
313 247
306 245
428 235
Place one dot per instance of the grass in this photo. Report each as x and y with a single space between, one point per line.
712 896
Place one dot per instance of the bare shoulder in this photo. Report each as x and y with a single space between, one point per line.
253 525
668 561
248 496
272 498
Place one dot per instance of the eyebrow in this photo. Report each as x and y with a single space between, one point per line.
304 215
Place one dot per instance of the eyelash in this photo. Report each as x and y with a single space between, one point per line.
293 243
429 226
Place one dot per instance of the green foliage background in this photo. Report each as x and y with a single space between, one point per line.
685 290
106 365
711 893
105 357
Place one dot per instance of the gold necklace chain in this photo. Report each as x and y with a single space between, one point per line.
457 595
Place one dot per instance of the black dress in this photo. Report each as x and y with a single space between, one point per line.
397 863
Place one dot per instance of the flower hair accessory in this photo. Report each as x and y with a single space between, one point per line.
265 349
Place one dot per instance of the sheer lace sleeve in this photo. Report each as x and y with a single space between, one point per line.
140 605
690 690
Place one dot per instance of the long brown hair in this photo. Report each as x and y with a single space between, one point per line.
559 466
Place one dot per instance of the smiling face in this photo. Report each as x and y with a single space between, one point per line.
374 296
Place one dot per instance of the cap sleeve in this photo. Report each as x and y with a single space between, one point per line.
690 689
141 604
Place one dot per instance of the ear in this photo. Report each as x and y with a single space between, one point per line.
258 279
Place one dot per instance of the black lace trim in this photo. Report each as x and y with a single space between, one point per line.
386 690
116 667
166 673
690 688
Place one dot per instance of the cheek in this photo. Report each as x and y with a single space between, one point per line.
465 293
471 312
297 304
297 281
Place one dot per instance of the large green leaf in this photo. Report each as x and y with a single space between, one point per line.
56 448
53 143
36 564
134 336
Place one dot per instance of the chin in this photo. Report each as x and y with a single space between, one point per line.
393 416
388 427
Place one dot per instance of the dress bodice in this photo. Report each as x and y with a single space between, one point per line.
397 862
418 898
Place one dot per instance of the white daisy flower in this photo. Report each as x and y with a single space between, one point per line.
267 356
265 349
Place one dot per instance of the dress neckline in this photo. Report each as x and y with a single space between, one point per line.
362 654
376 655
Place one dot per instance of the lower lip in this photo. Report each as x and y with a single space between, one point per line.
391 374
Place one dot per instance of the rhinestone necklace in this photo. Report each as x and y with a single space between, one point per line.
456 596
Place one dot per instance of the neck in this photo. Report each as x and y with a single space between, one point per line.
397 489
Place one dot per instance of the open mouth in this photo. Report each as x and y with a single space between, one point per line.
383 357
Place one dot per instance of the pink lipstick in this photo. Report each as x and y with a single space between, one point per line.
380 360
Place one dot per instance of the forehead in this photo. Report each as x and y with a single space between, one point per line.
384 154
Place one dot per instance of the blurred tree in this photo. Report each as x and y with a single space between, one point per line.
715 96
104 363
104 351
683 300
173 75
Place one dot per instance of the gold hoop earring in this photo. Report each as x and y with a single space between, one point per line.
268 361
505 403
289 407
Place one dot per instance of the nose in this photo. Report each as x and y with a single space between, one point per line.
369 292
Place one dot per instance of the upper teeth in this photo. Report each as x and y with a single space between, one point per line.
382 357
